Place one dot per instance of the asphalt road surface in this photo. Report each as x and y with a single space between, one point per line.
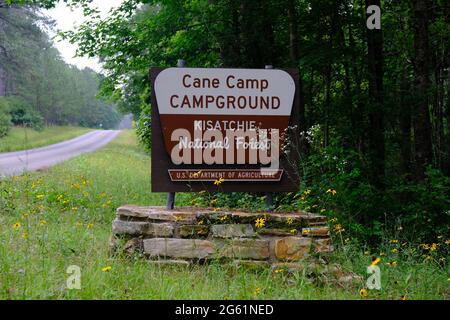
15 163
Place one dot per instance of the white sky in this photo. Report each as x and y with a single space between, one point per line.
65 19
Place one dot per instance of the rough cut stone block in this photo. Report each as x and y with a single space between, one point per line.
181 263
160 230
314 219
133 228
322 245
274 232
179 248
140 228
214 216
243 249
232 231
192 231
245 217
316 232
292 248
283 217
157 214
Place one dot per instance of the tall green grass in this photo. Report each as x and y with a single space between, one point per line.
52 220
26 138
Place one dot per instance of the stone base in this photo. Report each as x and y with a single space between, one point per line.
189 234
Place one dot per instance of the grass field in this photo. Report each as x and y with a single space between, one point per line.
25 138
59 218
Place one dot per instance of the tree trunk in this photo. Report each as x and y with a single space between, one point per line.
422 125
294 57
376 109
2 82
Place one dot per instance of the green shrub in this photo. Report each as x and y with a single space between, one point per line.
23 114
143 128
5 123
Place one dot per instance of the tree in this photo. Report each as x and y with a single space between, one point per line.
422 125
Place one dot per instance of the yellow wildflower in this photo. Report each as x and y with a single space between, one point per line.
40 196
76 186
197 174
394 250
392 264
43 222
447 241
363 293
332 191
90 226
323 210
375 262
17 225
404 297
258 291
393 241
293 231
260 222
218 182
289 221
338 229
433 247
107 269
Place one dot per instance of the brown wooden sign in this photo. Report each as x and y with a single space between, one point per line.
223 129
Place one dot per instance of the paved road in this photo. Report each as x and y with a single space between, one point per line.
15 163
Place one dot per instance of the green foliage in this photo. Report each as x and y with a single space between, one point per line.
23 114
143 129
41 87
5 122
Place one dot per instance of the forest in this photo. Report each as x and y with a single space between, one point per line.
374 105
37 88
